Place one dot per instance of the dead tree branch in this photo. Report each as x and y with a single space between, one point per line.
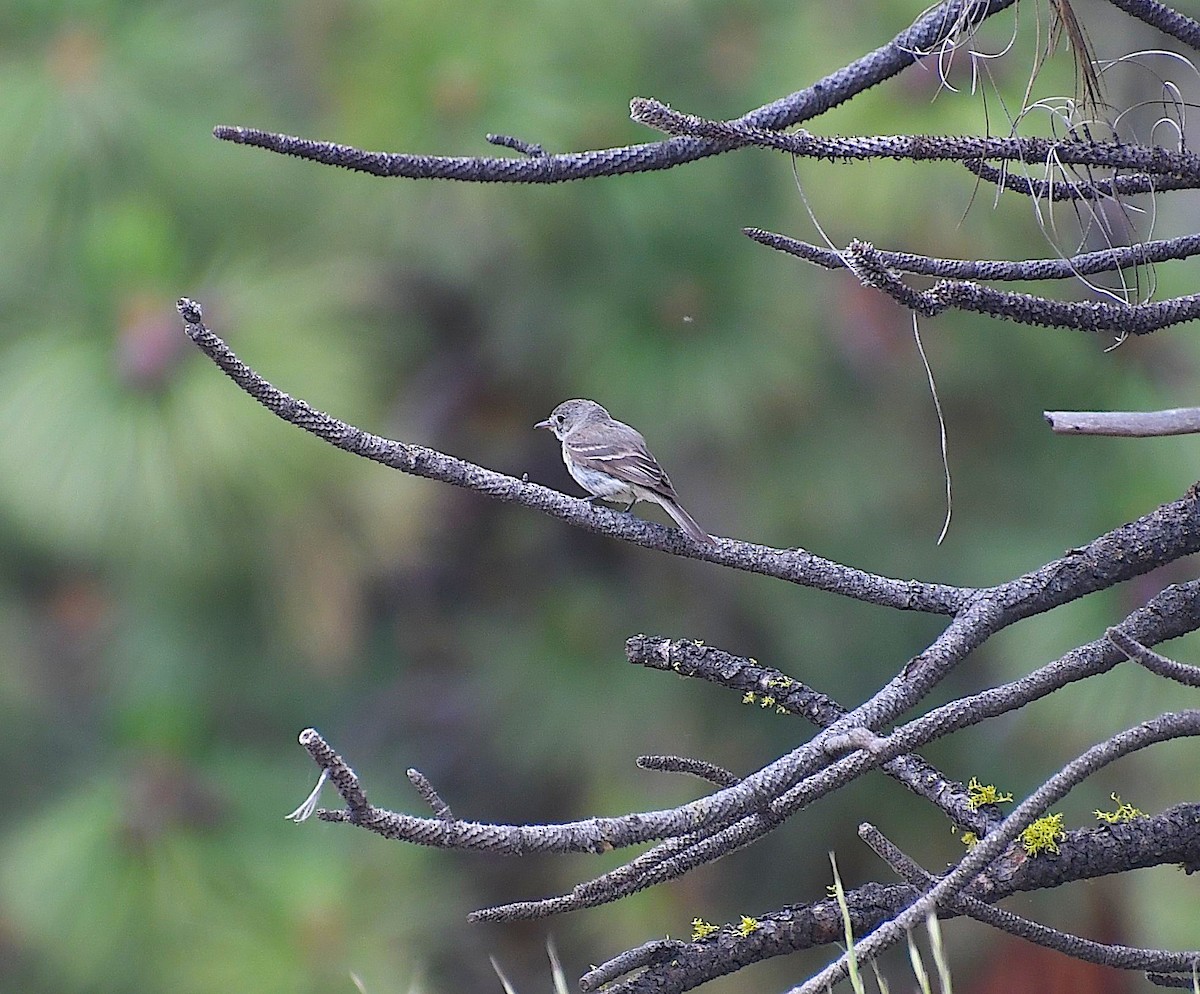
931 29
849 742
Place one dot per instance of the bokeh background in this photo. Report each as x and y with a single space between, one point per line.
185 582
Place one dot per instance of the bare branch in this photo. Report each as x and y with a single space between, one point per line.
1155 160
1085 264
1125 424
924 35
794 565
1121 319
340 774
880 270
1067 188
431 797
516 144
656 951
1153 661
693 767
1168 21
1183 983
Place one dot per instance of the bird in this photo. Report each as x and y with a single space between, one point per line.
609 459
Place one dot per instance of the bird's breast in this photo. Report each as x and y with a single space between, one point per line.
598 483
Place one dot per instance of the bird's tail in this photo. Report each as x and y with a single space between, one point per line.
686 521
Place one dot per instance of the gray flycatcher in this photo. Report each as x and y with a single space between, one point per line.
610 461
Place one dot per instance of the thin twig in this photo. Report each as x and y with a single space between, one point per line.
699 768
1156 663
431 797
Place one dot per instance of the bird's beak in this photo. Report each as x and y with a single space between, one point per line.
543 424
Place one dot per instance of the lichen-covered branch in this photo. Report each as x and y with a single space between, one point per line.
1164 728
1173 836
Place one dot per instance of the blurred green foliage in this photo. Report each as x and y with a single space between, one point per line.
185 583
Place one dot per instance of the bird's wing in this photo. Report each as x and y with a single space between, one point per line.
621 451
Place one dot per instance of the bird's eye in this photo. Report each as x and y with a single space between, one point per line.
558 418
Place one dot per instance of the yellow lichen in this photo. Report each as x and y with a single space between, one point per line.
748 925
1043 835
979 794
1124 812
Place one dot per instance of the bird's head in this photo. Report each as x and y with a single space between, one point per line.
570 414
